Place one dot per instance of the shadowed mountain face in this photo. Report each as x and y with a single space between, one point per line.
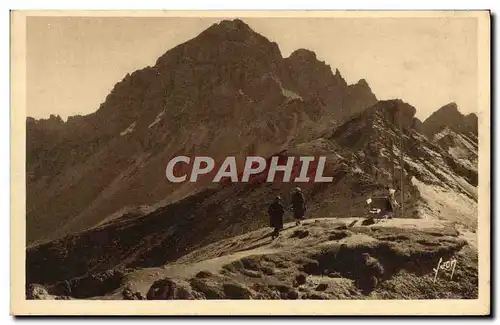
457 135
226 92
448 116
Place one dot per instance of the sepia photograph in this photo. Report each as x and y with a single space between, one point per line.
252 158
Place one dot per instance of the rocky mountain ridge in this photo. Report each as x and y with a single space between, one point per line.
448 116
227 91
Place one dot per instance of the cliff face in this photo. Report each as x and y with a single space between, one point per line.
98 197
456 134
227 91
449 116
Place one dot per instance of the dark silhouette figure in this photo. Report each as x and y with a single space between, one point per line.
299 205
276 211
370 272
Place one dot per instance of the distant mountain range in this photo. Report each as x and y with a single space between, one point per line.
98 199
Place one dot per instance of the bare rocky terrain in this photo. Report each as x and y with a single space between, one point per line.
317 260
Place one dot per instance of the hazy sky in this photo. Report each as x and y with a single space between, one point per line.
74 62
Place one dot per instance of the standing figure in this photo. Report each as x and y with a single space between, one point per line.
298 204
393 205
276 211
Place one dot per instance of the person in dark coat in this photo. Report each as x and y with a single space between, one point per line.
298 204
276 211
370 272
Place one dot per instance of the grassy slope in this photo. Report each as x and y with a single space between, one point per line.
252 266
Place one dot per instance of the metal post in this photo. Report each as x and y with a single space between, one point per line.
401 164
393 160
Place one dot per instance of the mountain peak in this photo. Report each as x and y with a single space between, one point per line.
450 107
56 117
230 26
362 82
233 24
228 78
52 119
220 40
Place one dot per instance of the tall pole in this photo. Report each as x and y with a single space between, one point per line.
401 164
393 160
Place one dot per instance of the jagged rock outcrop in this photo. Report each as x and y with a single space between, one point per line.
358 95
457 135
228 91
449 116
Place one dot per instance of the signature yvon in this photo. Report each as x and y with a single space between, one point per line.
448 265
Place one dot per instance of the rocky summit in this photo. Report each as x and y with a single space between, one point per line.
227 92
